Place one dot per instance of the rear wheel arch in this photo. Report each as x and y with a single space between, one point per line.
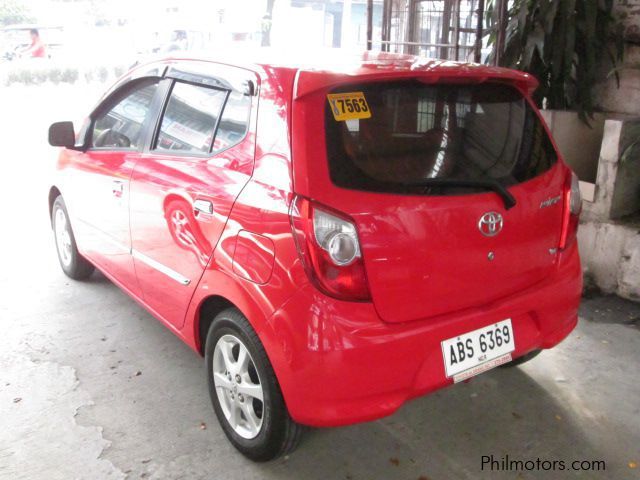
215 303
212 305
232 293
209 309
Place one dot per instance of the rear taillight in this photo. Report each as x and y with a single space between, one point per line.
329 248
572 205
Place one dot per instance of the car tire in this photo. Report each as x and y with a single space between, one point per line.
523 359
238 412
73 264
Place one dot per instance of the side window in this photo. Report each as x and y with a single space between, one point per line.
121 126
234 122
190 118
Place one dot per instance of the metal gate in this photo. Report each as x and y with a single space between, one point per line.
443 29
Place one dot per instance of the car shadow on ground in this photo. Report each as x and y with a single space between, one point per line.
98 278
447 434
610 309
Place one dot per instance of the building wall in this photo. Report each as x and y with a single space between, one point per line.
628 13
318 23
626 98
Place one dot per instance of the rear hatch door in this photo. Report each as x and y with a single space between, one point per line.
433 242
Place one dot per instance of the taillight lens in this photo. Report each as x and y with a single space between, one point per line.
329 248
571 213
337 237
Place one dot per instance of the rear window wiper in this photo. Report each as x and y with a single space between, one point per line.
489 184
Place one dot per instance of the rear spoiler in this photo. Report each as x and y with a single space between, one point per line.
308 82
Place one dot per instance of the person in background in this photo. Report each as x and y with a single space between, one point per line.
37 48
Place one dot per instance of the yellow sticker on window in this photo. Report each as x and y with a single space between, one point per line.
348 106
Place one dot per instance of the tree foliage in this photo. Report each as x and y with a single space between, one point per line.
562 43
13 11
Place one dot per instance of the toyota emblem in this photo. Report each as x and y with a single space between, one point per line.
490 224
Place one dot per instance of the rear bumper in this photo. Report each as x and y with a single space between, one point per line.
341 364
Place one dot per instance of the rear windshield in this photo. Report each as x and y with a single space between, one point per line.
418 132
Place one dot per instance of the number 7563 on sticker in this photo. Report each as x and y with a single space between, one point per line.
348 106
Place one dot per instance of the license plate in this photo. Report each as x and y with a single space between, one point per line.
478 351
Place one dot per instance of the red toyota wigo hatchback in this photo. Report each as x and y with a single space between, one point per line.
334 240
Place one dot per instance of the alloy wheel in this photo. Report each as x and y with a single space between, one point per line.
238 386
63 237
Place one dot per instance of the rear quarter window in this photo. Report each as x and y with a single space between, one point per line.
234 122
418 132
203 120
189 121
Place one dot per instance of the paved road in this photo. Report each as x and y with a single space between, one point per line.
92 387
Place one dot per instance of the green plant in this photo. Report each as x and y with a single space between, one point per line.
69 75
88 76
12 11
19 76
631 66
119 70
55 75
39 76
102 73
561 43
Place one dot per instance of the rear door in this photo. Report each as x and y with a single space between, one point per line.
184 185
431 249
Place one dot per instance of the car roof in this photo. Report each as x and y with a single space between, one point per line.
335 61
326 66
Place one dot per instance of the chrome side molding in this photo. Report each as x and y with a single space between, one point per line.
182 280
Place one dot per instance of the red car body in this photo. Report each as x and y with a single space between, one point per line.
425 267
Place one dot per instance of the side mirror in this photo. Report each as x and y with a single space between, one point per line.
61 134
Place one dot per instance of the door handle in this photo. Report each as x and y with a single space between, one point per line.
204 206
117 188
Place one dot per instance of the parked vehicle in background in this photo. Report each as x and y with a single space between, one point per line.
15 39
335 239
